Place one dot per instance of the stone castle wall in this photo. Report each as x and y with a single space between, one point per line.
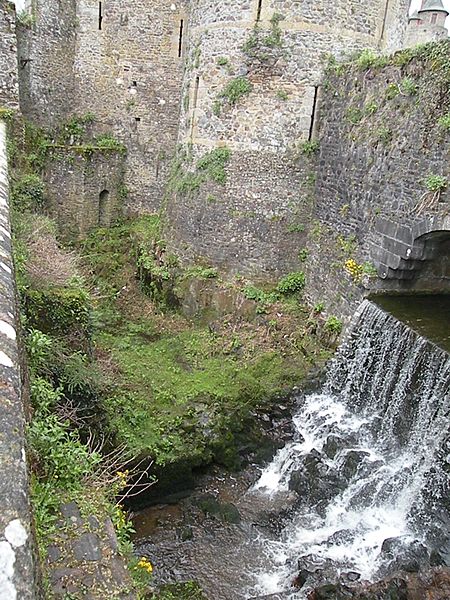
84 189
9 85
282 63
122 62
46 52
380 140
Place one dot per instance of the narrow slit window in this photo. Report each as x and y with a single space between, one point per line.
103 209
383 28
137 119
100 15
197 85
194 105
180 39
313 114
258 11
433 18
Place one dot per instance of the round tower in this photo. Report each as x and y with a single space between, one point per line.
253 84
427 24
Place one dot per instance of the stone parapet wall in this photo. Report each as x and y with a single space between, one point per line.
17 559
9 85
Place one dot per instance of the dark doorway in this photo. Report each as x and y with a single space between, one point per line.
103 206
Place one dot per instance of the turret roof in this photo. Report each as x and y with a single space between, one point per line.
433 5
414 16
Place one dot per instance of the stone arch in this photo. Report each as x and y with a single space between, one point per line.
104 208
406 251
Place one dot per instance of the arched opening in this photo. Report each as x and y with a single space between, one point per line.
103 209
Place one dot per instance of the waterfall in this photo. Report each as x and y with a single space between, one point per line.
369 462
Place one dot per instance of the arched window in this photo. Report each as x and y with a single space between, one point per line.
103 219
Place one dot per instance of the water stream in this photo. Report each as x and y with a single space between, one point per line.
362 489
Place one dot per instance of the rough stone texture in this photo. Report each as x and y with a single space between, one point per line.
128 74
84 563
84 189
46 51
17 566
370 185
9 85
265 126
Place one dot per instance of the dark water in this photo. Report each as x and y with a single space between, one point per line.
428 315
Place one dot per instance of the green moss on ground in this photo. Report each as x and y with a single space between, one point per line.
177 390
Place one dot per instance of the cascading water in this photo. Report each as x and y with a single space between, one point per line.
369 463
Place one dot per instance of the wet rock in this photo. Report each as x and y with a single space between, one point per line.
224 511
351 576
404 555
333 445
301 579
352 461
87 547
314 481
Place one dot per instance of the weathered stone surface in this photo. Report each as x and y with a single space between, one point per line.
87 547
17 559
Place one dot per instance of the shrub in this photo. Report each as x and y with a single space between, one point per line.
354 115
292 283
436 183
333 325
408 86
309 147
214 163
236 89
28 193
444 122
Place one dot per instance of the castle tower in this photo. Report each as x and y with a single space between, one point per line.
427 24
253 84
121 61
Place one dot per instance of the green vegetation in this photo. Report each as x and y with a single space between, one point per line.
436 183
6 114
282 95
333 325
234 91
408 86
444 122
210 167
354 115
28 193
292 283
179 591
26 18
222 61
261 45
384 135
309 148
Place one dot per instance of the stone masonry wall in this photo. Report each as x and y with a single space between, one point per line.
282 62
121 61
84 189
46 47
17 564
381 136
9 87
